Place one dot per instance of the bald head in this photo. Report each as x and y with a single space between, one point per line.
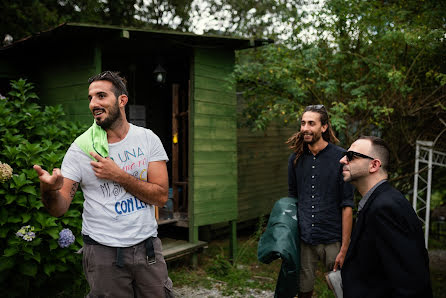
378 149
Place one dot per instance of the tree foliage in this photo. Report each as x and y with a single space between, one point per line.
378 66
30 134
22 18
250 18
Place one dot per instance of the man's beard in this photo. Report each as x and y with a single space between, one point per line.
349 178
114 115
355 175
315 138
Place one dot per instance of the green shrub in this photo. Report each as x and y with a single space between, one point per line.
31 134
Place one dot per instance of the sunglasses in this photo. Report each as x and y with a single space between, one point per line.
315 107
352 154
108 76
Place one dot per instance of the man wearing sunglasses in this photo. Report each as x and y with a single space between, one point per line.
324 201
122 171
386 256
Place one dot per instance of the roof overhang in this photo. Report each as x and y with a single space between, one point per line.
104 32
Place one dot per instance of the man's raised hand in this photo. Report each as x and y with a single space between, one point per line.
106 168
49 182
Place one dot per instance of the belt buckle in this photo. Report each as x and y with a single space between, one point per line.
151 261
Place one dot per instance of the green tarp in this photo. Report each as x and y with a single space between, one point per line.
281 240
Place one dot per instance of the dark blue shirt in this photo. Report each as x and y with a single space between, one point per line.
321 193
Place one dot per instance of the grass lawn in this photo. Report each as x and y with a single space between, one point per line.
214 270
247 273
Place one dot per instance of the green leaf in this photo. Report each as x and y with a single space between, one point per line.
9 198
73 213
51 222
26 217
19 180
36 242
28 268
10 251
3 216
41 217
15 219
35 203
53 232
21 200
53 244
60 267
49 268
6 263
29 189
28 250
36 256
4 231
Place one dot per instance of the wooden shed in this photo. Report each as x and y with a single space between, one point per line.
178 88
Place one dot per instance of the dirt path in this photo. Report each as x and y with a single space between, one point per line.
437 259
191 292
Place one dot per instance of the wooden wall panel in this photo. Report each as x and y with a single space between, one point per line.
70 88
214 139
262 170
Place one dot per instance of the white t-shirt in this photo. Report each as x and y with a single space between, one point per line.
112 216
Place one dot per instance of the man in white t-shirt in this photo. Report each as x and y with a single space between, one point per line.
122 256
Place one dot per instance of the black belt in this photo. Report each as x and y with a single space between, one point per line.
150 251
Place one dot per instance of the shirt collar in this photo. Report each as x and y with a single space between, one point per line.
326 148
366 197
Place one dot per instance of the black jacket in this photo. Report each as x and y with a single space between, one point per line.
387 256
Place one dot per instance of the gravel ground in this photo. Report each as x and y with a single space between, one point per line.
437 261
191 292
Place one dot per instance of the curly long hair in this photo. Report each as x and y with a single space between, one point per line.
296 141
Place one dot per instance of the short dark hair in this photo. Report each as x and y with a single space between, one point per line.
119 83
380 150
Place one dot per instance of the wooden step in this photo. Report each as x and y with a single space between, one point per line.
174 249
166 221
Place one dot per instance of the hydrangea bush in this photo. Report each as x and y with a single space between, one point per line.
34 257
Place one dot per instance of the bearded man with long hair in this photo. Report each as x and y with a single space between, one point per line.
325 201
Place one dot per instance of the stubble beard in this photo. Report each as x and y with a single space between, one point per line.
348 178
114 116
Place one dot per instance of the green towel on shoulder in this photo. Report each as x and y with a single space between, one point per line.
93 139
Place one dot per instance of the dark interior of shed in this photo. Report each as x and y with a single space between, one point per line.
158 81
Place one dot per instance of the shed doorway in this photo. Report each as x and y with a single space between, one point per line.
163 107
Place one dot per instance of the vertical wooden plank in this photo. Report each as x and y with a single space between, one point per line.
193 230
184 135
261 184
175 164
233 240
193 237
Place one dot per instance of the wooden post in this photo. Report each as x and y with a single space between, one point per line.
175 109
184 147
233 240
193 237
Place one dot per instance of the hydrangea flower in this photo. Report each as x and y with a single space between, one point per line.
66 238
5 172
26 233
